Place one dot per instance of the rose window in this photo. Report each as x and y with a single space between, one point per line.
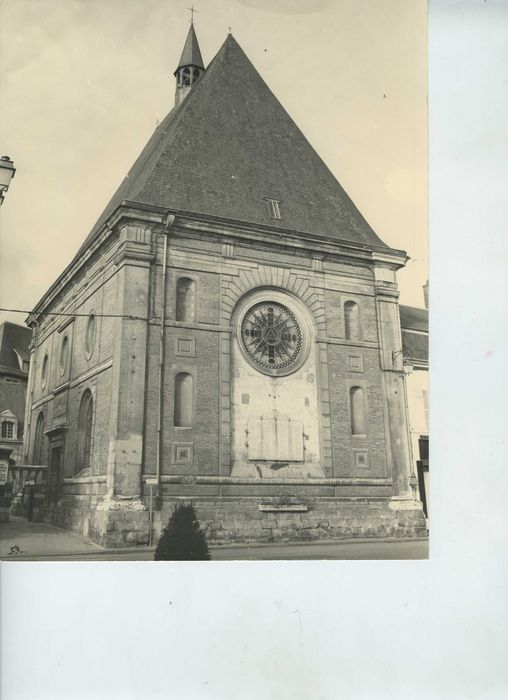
271 335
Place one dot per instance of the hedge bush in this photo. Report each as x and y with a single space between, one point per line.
182 539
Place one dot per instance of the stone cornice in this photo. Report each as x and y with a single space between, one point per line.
155 216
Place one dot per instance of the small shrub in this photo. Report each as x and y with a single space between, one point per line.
182 539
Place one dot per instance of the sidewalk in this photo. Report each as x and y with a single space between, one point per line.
43 542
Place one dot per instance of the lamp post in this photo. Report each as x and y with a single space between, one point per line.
7 171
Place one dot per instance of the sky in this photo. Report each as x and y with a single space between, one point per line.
83 84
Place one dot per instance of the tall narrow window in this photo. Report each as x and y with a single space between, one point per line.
44 371
38 454
358 413
183 400
90 335
85 421
352 320
64 354
185 299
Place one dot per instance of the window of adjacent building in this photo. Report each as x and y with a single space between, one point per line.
184 399
64 354
91 328
352 320
274 208
7 429
85 423
358 412
44 371
425 399
185 299
39 438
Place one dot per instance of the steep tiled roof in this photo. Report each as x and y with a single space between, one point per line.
412 318
228 147
14 338
414 325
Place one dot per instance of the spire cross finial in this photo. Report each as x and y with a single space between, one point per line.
192 11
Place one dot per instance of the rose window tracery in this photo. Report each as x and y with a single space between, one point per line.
271 335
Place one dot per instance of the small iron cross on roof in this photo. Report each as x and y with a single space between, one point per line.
192 11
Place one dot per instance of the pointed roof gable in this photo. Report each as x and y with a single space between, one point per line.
229 146
191 55
14 344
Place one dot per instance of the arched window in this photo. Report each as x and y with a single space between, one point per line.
85 421
352 320
185 299
358 412
184 400
44 371
39 452
64 354
91 327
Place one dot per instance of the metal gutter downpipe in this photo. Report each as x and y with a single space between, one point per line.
170 220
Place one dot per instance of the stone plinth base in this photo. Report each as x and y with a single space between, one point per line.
254 520
125 522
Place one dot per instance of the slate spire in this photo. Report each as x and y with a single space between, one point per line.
190 66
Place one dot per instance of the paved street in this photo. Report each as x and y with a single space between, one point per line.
39 541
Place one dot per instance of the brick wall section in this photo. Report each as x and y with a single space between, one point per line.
203 435
59 399
344 443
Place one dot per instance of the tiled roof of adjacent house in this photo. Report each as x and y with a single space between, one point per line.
414 325
14 339
229 147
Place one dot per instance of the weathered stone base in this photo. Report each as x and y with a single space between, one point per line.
258 520
110 523
125 523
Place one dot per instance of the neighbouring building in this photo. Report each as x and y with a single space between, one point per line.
230 335
415 344
14 356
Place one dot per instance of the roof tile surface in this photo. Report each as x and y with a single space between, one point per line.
227 148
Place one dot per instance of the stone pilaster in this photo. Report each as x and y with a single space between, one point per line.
391 360
133 260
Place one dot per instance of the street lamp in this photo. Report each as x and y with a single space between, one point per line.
7 171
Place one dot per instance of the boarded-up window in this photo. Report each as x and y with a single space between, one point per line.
184 398
85 423
358 412
185 299
352 320
275 440
39 452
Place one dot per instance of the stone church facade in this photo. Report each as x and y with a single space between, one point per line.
228 334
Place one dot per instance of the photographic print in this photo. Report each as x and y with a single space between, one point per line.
214 283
